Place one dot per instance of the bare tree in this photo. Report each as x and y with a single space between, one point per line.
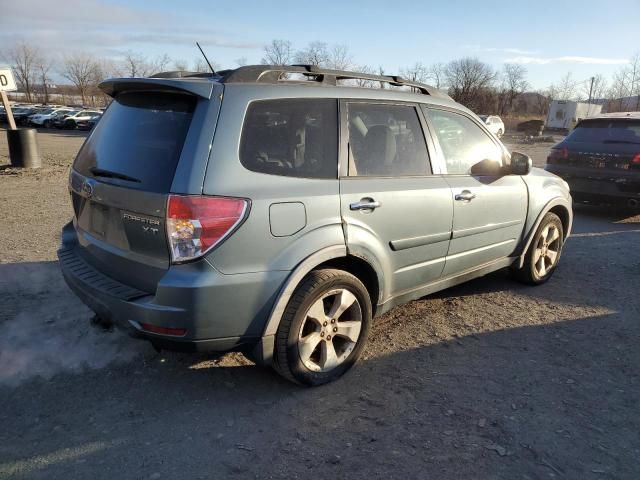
416 73
24 59
278 52
361 82
618 91
598 92
316 53
468 79
201 66
566 88
339 58
159 64
136 64
44 65
181 65
513 85
436 74
82 70
242 61
634 82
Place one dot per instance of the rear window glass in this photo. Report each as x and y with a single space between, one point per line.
138 140
607 131
291 137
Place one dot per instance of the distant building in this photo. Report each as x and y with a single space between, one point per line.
564 114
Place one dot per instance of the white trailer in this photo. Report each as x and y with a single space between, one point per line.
564 114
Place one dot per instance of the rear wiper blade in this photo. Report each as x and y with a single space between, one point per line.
100 172
621 141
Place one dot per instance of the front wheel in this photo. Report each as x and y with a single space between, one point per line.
47 124
324 328
499 134
543 254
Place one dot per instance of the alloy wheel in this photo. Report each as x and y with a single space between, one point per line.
330 330
547 250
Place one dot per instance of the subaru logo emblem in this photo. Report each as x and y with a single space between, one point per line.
87 189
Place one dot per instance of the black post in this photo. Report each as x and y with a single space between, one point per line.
23 148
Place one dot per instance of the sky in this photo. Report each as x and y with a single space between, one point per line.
550 38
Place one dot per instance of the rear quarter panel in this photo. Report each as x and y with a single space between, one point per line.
254 247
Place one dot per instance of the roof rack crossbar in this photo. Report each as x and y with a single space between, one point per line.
274 73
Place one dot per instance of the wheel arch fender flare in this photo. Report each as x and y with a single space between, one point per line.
263 351
567 223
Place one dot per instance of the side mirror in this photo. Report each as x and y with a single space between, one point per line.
521 164
487 167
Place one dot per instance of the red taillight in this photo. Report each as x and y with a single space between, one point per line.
636 159
176 332
195 224
558 154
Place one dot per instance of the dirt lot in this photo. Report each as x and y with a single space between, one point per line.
487 380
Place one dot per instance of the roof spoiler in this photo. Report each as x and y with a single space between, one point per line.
200 88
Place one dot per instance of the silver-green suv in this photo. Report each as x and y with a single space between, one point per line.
277 210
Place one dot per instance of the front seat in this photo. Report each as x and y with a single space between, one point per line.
379 152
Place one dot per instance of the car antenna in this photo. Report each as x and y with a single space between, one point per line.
205 58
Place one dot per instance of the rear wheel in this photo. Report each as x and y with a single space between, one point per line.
324 328
500 132
543 254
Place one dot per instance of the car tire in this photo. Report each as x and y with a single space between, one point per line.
46 124
543 255
323 329
500 133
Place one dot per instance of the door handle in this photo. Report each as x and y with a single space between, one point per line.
465 196
365 204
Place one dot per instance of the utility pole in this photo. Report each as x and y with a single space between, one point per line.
590 93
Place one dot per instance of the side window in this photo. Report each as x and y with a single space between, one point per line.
386 140
463 143
291 137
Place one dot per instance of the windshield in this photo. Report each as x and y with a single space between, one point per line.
606 131
139 137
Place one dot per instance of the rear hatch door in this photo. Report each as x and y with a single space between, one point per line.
604 145
123 175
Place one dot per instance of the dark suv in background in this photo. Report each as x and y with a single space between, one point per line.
600 159
277 209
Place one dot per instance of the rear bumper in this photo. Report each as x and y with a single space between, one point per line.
219 312
588 182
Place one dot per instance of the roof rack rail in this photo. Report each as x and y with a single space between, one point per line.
180 74
274 74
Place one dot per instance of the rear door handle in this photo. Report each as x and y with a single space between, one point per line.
365 204
465 196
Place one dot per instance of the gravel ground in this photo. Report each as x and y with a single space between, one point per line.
490 379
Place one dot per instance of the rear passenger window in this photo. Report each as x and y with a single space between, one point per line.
291 137
386 140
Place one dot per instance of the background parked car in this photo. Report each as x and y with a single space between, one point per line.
89 123
494 124
44 118
600 159
58 120
21 115
69 122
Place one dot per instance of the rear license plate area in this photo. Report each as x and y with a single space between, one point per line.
98 219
